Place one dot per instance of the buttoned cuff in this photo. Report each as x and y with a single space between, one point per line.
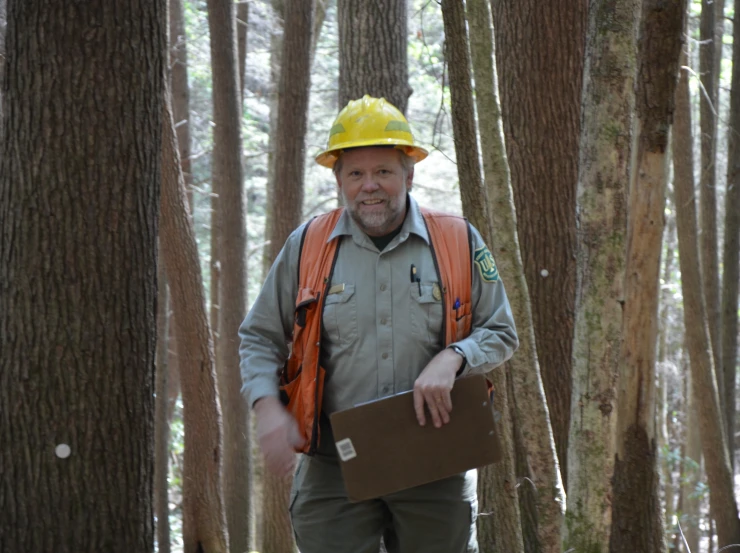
260 387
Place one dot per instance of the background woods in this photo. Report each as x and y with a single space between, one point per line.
146 185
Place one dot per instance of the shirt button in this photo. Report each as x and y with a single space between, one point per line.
385 355
382 287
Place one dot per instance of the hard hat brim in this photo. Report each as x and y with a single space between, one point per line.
329 157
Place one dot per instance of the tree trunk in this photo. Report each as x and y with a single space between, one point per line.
604 161
372 51
181 90
637 518
542 134
228 180
287 208
704 384
506 523
731 263
3 27
161 422
709 107
691 473
242 21
531 414
203 521
79 191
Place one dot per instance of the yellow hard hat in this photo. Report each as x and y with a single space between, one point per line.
369 122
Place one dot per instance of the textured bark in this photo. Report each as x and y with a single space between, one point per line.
227 178
286 211
242 20
604 161
531 415
542 134
161 422
372 51
180 90
79 191
704 384
3 26
730 261
503 532
709 46
637 518
203 520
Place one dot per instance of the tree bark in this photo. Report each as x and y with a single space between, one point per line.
540 456
704 384
227 178
286 210
730 261
203 520
709 108
637 518
181 90
79 190
372 51
3 27
542 134
161 422
604 161
505 532
242 21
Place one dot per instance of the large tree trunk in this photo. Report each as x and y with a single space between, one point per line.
731 263
372 51
242 21
604 161
228 180
501 476
286 210
637 518
531 412
709 46
3 27
542 134
203 520
79 192
704 384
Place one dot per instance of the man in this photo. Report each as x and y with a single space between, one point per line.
384 321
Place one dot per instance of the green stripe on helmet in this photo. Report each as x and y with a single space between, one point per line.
398 126
336 129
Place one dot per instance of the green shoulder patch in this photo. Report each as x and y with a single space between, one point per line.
486 264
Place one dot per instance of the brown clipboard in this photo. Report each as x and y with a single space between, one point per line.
382 448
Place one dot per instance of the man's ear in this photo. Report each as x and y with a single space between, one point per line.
339 182
410 180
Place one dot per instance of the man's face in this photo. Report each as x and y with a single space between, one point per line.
373 183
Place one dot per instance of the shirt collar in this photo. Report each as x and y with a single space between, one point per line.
412 224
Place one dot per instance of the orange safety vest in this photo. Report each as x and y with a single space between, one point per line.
302 378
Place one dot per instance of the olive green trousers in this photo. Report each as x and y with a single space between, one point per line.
438 517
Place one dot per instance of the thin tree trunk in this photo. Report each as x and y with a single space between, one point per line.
704 384
372 51
242 21
79 190
181 90
709 108
3 26
173 367
531 413
731 263
637 518
204 523
542 135
318 23
161 423
506 523
287 208
604 161
228 180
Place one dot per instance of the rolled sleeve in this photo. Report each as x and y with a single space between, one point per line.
266 332
493 338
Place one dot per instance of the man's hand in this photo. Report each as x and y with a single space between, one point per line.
277 432
434 385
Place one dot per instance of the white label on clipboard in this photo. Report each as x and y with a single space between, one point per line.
346 449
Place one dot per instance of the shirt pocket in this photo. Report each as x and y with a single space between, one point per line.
426 311
340 316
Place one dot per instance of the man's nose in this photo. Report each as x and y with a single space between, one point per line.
368 183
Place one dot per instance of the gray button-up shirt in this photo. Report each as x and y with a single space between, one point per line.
380 329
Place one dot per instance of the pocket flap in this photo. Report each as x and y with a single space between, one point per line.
341 297
306 296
